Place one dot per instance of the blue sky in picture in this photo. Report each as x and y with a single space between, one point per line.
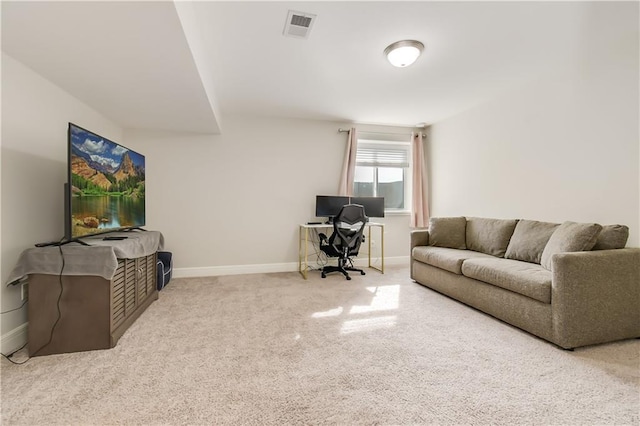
101 150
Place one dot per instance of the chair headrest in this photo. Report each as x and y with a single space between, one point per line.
351 214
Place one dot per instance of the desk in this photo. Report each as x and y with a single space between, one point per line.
309 245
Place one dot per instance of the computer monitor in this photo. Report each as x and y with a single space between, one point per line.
373 206
329 205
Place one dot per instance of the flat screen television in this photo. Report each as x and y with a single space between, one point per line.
373 206
105 188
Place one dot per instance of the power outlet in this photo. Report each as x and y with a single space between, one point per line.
24 291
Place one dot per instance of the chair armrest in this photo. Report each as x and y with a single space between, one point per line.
595 296
419 237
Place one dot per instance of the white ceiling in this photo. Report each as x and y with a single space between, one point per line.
128 60
150 65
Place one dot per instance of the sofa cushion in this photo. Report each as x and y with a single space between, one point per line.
524 278
448 232
612 237
529 239
570 236
490 236
444 258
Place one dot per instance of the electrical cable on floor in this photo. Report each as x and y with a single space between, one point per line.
8 357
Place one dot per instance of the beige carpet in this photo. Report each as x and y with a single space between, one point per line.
274 349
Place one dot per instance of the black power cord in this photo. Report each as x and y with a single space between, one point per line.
15 309
8 357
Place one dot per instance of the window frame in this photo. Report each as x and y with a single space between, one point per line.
390 142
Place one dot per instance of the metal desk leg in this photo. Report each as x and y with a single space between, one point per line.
369 237
302 264
381 269
382 248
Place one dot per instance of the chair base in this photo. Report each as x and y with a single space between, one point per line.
342 268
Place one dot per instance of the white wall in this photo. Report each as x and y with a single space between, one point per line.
35 114
564 147
233 202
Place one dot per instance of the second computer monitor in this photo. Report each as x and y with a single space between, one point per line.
373 206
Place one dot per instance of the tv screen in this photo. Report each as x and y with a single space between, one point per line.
329 205
373 206
105 189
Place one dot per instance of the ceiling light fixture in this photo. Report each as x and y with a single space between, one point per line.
403 53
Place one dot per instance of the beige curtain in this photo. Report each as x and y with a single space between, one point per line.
420 206
349 165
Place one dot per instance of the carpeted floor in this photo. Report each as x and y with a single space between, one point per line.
274 349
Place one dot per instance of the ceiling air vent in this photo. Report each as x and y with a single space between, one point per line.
298 24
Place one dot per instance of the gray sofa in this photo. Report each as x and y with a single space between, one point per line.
573 284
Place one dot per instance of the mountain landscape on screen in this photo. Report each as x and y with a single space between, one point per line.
107 184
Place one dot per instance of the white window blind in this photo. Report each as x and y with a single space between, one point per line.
386 154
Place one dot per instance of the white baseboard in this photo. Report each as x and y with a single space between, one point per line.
14 339
212 271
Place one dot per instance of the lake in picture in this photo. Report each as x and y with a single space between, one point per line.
110 211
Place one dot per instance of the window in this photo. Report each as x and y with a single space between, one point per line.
383 170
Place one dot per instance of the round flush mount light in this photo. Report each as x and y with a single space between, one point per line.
403 53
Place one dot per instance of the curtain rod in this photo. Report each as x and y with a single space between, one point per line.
340 130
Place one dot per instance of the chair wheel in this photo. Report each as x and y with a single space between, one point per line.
348 277
362 273
323 275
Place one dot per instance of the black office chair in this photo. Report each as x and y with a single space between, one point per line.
348 228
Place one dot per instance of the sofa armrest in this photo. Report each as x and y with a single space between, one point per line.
595 296
419 237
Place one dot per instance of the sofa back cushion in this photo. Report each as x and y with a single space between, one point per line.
570 236
490 236
448 232
529 240
612 237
